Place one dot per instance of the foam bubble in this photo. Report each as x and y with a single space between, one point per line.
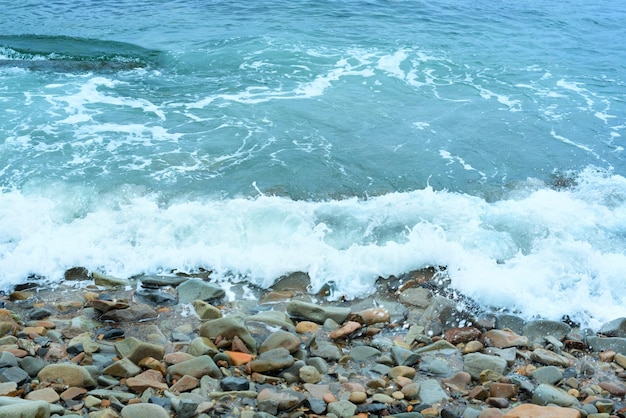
539 252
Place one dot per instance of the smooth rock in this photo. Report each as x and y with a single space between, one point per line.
404 357
416 296
476 363
549 358
283 339
363 352
196 367
134 313
136 350
616 344
461 335
473 347
232 383
546 394
372 316
503 338
67 373
431 392
548 374
26 409
614 328
229 327
342 409
200 346
148 379
144 410
273 318
536 331
275 359
325 350
122 368
536 411
46 394
317 313
205 310
198 289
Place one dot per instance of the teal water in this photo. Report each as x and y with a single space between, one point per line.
348 139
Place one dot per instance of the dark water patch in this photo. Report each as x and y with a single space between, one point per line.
70 54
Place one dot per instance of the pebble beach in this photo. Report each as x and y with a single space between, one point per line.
185 346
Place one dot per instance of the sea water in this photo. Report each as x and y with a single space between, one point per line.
350 140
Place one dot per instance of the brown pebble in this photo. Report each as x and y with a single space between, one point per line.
503 390
500 403
305 327
479 392
491 413
343 332
357 397
72 393
606 356
329 397
614 389
461 335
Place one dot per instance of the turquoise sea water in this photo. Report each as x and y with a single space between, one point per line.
347 139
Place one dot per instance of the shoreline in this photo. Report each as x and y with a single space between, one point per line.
178 346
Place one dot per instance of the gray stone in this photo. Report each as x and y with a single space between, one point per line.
14 374
435 366
545 394
134 313
26 409
363 352
160 281
7 359
67 373
442 312
229 327
607 343
193 289
136 350
317 313
548 358
536 331
122 368
200 346
112 394
231 383
475 363
144 410
431 392
32 365
283 339
205 310
436 346
273 318
319 363
196 367
276 359
614 328
309 374
342 409
512 322
403 356
416 296
325 350
548 374
108 281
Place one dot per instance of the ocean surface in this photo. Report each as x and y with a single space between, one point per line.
347 139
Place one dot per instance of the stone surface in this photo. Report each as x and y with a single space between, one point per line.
144 410
503 338
549 358
275 359
229 327
136 350
476 363
536 331
548 374
198 289
536 411
317 313
342 409
29 409
283 339
431 392
547 394
205 310
67 373
196 367
122 368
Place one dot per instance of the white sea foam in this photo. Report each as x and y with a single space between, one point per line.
540 252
